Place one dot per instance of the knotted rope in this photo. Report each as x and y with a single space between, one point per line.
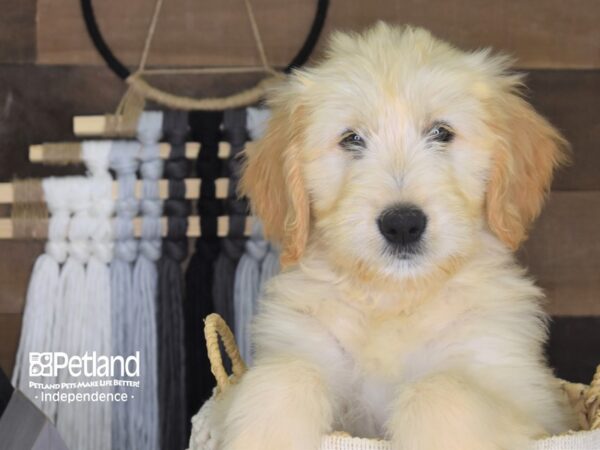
124 162
71 418
247 288
257 265
42 293
232 247
145 284
200 273
96 311
171 339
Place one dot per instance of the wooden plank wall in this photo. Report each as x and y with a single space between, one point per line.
49 72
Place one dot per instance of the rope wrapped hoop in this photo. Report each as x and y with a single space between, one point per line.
141 89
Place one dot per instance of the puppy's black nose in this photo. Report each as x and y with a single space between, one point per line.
402 225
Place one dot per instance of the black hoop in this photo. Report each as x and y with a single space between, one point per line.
123 72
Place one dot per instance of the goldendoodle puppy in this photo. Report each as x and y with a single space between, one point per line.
399 175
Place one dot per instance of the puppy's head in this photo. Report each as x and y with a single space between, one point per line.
395 154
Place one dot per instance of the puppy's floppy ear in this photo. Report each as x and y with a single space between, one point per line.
528 149
273 181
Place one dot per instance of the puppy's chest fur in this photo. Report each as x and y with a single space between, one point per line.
380 350
389 343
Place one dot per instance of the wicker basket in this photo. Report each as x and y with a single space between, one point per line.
584 399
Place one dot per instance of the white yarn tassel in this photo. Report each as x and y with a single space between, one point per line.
70 311
123 160
145 284
97 309
42 294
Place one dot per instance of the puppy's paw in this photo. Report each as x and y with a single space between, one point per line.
450 412
275 407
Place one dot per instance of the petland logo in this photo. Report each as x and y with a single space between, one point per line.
49 364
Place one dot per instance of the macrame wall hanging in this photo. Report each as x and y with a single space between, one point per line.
137 304
108 282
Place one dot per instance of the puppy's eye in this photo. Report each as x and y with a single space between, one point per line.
352 141
441 132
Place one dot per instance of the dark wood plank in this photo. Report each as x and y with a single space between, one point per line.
15 270
38 104
17 31
570 99
190 33
563 253
540 33
10 331
574 347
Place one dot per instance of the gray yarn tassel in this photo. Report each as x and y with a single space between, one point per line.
145 285
257 125
170 323
259 262
232 247
247 288
270 265
124 162
256 122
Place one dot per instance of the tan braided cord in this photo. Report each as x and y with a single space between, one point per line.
585 401
576 394
244 98
28 211
592 401
215 328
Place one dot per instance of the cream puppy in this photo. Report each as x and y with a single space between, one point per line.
399 175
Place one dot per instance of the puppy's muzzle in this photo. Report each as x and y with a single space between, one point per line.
402 226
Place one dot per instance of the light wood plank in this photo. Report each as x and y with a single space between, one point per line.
540 33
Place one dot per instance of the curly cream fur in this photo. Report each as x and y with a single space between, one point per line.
443 350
